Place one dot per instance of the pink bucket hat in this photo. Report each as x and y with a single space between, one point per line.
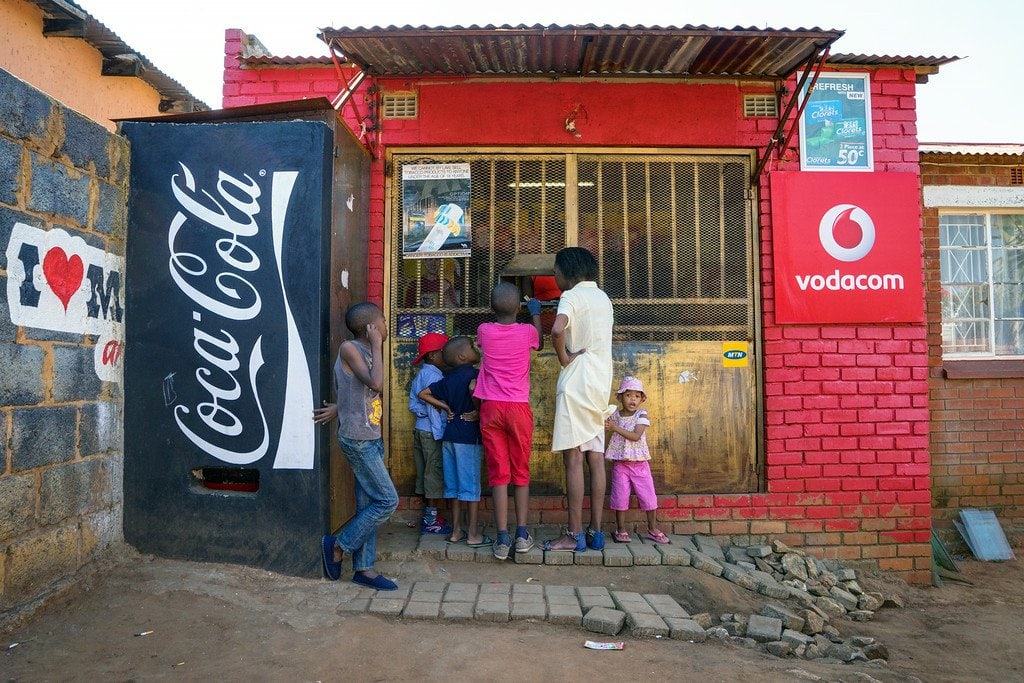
630 383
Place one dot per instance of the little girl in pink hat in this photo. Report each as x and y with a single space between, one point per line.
631 469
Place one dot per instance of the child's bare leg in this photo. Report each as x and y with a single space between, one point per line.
522 499
500 495
652 521
620 520
456 521
472 527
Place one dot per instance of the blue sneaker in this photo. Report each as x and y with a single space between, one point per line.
379 582
331 568
595 539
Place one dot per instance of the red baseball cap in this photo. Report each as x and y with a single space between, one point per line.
431 341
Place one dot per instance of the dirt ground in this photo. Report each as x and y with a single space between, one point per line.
228 623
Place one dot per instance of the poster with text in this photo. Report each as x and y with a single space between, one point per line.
835 127
435 211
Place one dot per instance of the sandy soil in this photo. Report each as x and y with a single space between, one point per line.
212 621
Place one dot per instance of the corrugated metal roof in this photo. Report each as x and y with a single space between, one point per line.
112 47
971 148
286 60
581 50
889 60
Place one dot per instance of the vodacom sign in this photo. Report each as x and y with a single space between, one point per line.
847 247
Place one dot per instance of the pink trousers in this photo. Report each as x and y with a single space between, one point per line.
635 475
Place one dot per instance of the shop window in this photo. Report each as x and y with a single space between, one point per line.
672 236
982 277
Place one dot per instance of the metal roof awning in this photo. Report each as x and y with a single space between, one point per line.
586 50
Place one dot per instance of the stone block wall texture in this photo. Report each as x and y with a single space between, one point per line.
977 423
846 470
61 454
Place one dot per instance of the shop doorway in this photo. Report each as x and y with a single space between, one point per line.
674 235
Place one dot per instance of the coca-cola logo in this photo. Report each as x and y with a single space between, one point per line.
229 272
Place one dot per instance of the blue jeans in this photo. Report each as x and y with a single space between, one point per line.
376 499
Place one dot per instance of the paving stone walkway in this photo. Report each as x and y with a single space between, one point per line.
399 545
595 608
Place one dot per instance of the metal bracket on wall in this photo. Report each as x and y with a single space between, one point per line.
778 138
369 130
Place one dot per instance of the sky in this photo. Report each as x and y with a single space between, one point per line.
972 100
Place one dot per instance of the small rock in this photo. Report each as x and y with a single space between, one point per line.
812 652
861 615
831 633
734 628
728 616
790 619
868 602
813 622
792 637
795 566
704 619
717 633
892 600
740 577
759 551
762 565
827 579
879 664
799 650
853 587
844 653
764 629
796 583
822 642
847 600
812 567
779 648
861 641
739 641
817 589
846 575
802 675
749 566
780 547
736 554
830 606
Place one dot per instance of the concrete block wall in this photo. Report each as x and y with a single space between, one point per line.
61 453
847 470
977 423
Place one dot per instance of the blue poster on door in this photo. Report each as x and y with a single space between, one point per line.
835 127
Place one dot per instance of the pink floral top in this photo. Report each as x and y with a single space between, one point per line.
621 448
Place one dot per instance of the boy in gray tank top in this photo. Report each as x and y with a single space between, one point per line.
358 383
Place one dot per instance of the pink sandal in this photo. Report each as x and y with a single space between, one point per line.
621 537
658 537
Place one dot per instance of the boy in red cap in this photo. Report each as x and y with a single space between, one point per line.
427 433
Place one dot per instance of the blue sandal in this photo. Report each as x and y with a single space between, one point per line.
595 539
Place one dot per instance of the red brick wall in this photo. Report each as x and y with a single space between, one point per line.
847 464
977 425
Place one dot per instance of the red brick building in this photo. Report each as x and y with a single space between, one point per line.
660 150
974 254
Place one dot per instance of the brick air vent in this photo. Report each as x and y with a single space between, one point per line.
400 105
1017 176
760 105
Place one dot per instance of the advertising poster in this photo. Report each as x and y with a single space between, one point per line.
835 128
847 248
435 211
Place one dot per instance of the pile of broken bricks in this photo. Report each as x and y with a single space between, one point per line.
824 590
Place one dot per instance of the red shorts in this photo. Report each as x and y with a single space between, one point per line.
506 430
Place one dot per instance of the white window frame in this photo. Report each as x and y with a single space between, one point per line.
987 213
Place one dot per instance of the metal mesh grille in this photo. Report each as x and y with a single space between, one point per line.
1017 176
672 239
672 236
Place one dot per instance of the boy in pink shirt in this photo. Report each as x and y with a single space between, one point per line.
506 421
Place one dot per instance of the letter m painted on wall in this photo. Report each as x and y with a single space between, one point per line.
105 295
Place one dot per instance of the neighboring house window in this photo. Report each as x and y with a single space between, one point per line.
982 262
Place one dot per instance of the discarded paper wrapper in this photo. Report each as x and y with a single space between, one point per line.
590 644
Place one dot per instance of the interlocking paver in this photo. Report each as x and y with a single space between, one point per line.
492 610
604 620
666 606
685 629
529 609
646 625
565 614
675 555
617 556
457 610
644 555
589 557
422 610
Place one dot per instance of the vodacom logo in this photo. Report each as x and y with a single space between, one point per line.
827 230
837 280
